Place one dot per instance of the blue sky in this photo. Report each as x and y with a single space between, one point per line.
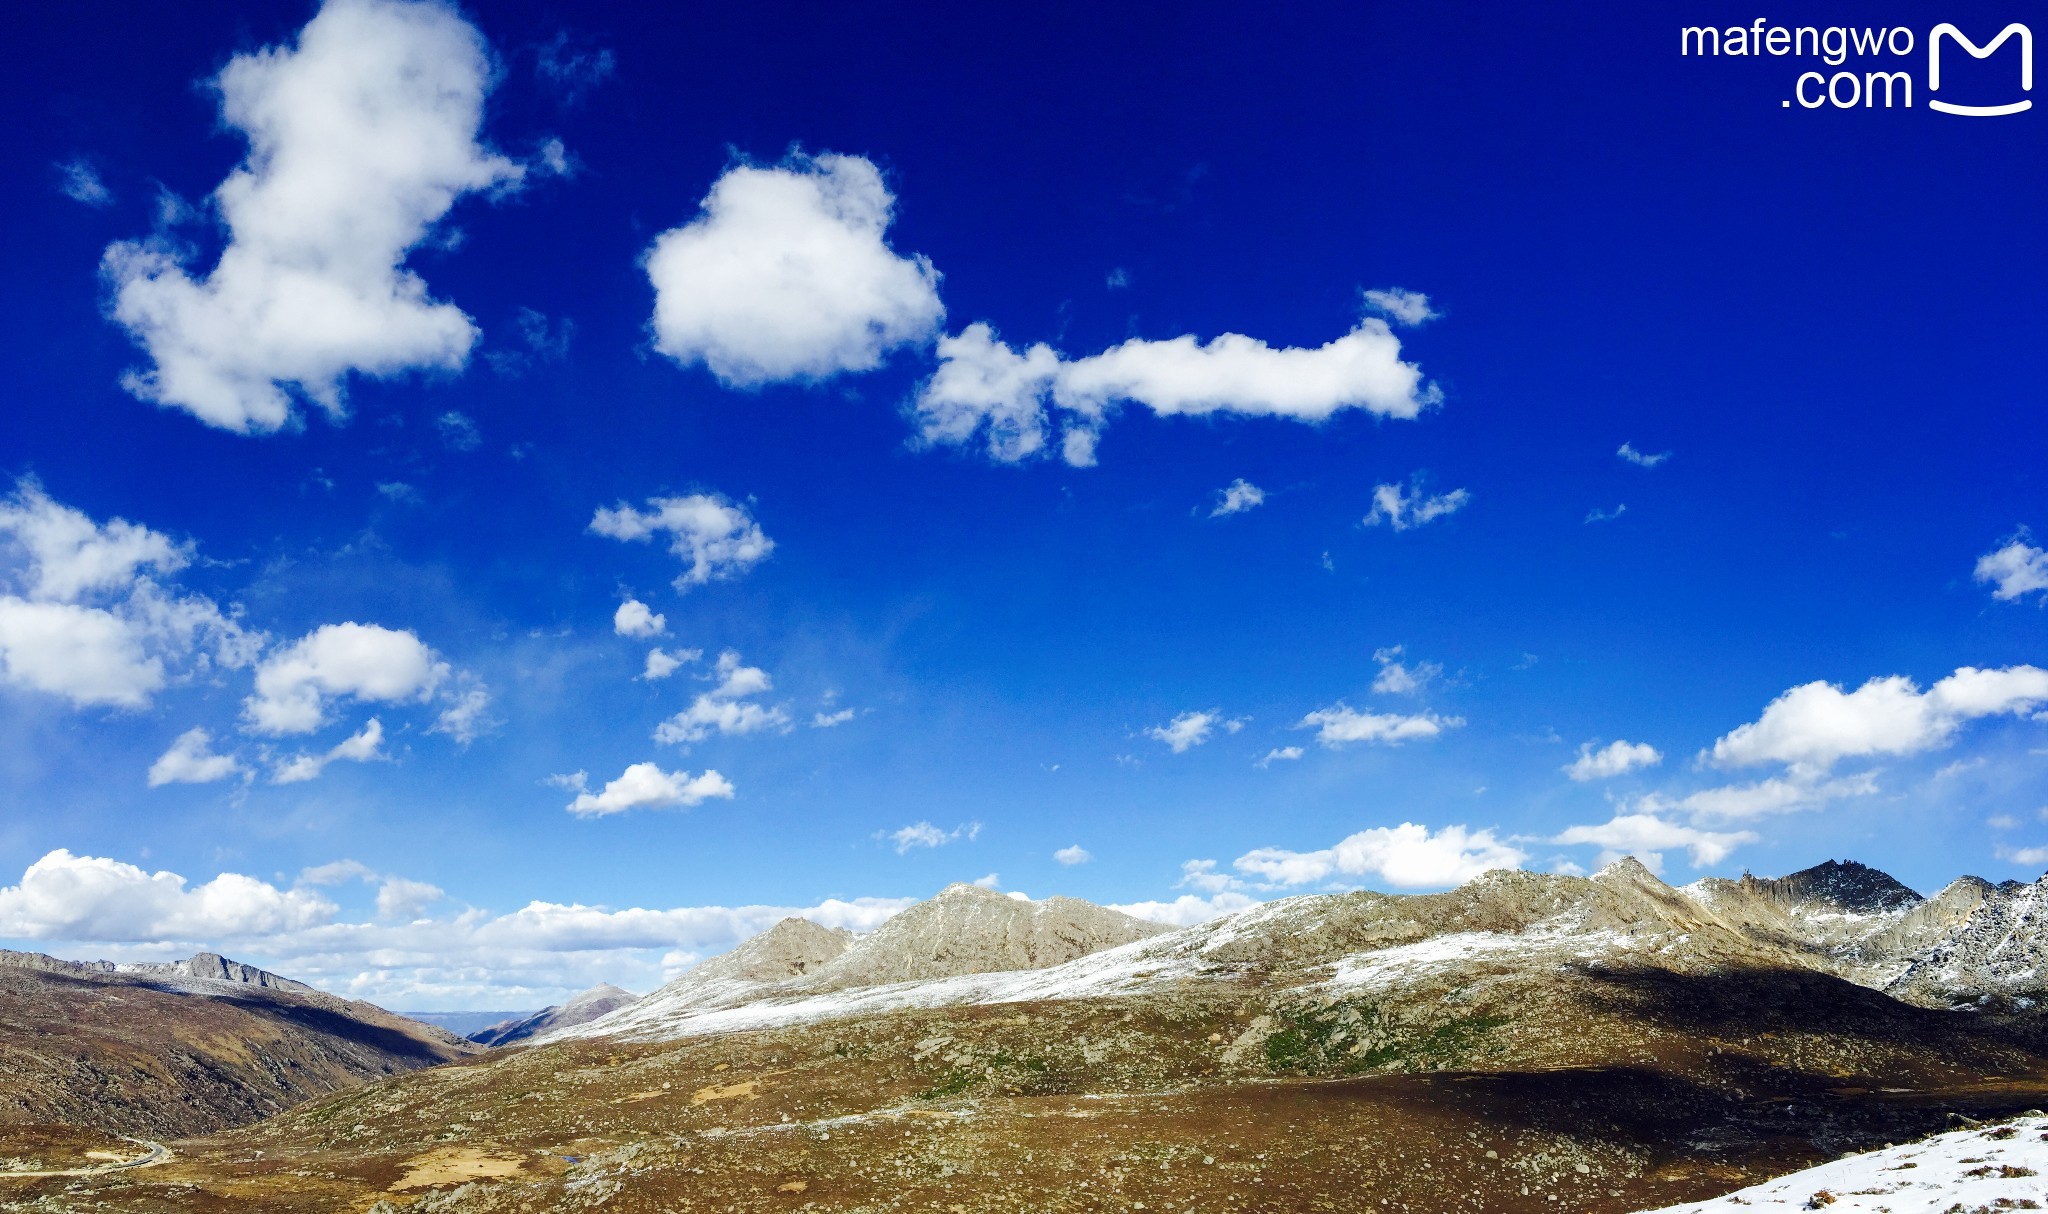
889 357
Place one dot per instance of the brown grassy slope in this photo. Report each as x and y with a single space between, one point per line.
128 1055
1586 1088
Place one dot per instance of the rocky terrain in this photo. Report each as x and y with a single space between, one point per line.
1525 1042
599 1000
188 1047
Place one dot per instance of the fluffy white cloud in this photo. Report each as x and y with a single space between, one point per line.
1407 856
661 663
80 617
1076 854
1281 754
1340 724
714 535
1646 837
924 834
984 387
1397 677
1616 758
87 898
647 786
1191 729
361 747
2015 570
727 708
70 555
365 661
1816 724
541 953
191 760
1237 497
361 137
1639 459
636 619
828 720
786 275
1403 507
1401 307
83 653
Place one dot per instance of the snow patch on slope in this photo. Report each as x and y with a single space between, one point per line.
1984 1168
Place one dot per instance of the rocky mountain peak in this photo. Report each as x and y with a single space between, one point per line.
1843 885
970 930
792 948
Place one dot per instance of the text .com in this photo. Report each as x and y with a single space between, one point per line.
1889 83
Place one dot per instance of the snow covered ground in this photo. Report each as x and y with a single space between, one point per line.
1992 1167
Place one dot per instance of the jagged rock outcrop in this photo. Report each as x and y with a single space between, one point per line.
599 1000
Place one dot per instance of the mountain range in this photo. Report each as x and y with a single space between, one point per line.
1523 1042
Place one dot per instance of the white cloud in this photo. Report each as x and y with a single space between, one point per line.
1237 497
1640 460
88 655
366 661
786 275
647 786
716 537
80 618
924 834
1646 837
2022 855
336 872
661 663
1076 854
1403 508
2014 570
1398 678
538 954
727 708
467 716
1188 909
1597 515
826 720
361 747
1616 758
361 137
70 555
86 898
984 387
400 898
1281 754
1340 724
635 619
1191 729
1816 724
81 183
191 760
1401 307
1779 794
1407 856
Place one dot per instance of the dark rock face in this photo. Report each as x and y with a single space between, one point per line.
1847 885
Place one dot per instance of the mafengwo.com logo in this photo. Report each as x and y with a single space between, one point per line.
1885 67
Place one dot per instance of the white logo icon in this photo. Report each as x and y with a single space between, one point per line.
1983 52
